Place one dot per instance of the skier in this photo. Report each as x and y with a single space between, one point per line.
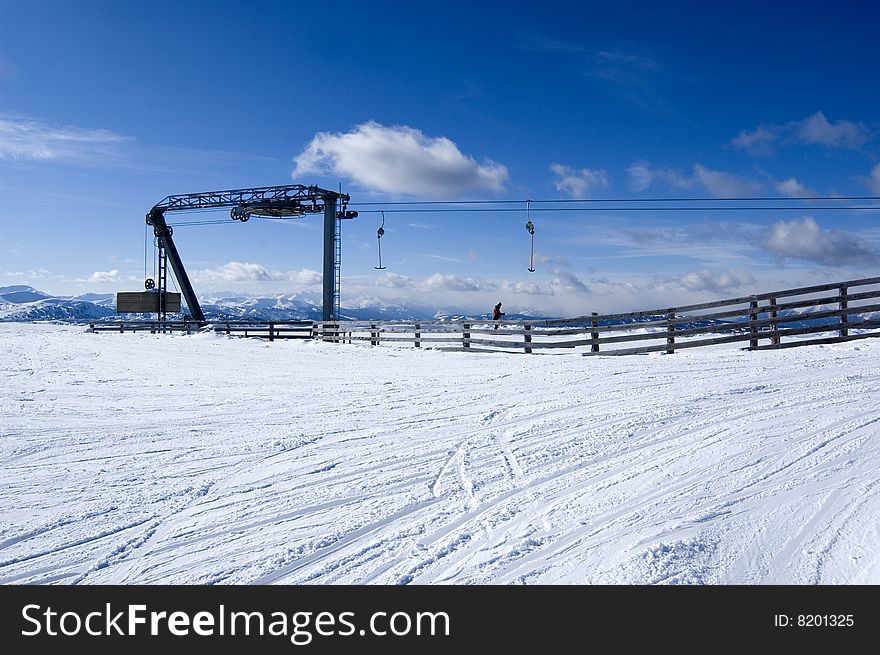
497 314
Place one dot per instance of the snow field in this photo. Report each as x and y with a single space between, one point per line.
142 459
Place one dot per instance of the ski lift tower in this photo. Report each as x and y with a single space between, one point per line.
290 201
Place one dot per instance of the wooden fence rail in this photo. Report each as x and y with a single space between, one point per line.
760 322
829 313
269 329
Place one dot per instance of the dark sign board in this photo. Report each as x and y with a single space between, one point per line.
145 302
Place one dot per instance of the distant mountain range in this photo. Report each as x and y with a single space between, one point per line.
25 304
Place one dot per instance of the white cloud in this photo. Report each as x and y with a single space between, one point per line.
439 281
238 272
579 183
813 130
804 239
725 185
27 139
716 183
642 175
567 281
759 141
399 160
394 281
304 276
39 273
103 277
561 284
843 134
518 287
791 188
246 272
718 281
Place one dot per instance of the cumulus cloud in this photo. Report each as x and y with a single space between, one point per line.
567 281
758 141
813 130
246 272
717 281
560 283
791 188
518 287
818 130
438 281
725 185
579 183
399 160
803 238
28 139
394 281
102 277
643 175
716 183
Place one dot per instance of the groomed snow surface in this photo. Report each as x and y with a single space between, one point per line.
140 459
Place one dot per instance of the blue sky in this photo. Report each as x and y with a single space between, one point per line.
107 107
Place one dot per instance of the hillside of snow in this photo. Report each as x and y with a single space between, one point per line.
138 458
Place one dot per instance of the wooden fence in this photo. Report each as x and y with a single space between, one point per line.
822 314
828 313
267 329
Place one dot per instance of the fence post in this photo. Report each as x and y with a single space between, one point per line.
466 336
527 335
670 331
271 331
327 334
418 337
844 307
753 328
594 335
774 327
373 340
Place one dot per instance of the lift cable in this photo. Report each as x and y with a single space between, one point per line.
503 210
620 209
599 200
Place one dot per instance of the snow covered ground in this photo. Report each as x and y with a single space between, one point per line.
143 458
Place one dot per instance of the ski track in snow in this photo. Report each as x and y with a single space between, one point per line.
204 459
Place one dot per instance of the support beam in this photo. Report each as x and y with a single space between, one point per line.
156 218
329 306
